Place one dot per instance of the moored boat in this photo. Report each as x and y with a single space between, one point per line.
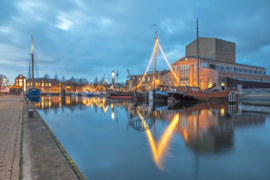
121 95
140 95
185 93
33 91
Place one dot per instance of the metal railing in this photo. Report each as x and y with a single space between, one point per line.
254 91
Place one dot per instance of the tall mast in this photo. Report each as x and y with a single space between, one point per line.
155 59
32 53
198 54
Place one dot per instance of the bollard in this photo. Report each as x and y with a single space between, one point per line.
232 98
31 113
21 93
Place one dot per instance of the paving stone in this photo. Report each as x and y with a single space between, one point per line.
10 123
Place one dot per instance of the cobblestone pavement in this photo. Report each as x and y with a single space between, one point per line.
10 133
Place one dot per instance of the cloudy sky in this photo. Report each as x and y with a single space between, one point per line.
83 38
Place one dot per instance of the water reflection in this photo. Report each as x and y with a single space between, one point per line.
205 128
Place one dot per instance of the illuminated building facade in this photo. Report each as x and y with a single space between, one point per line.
216 66
19 85
148 80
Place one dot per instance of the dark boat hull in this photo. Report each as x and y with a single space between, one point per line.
121 95
199 97
140 95
161 96
33 92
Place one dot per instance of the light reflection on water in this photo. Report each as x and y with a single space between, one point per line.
184 140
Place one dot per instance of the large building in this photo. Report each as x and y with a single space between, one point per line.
216 66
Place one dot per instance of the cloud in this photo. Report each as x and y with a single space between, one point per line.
91 38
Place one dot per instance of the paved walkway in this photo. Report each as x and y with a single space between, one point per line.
10 133
42 159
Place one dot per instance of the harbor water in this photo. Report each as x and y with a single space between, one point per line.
113 139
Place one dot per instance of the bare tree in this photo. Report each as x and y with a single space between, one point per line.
56 78
84 81
96 81
46 76
72 79
3 81
63 79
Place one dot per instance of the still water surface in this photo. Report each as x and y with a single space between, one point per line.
127 140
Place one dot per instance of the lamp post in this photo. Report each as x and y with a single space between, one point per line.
113 77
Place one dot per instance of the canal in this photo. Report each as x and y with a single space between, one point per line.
110 139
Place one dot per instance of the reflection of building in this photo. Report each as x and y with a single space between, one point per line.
216 65
205 127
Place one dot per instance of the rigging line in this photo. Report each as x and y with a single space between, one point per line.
141 54
167 62
148 64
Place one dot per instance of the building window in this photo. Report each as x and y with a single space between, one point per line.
50 84
28 84
243 70
184 71
231 68
248 70
253 71
258 72
210 83
194 75
218 67
139 79
212 66
20 82
42 84
202 84
143 79
175 70
148 78
184 82
237 69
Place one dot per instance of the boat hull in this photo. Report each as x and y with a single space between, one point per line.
33 92
121 95
161 96
215 96
140 95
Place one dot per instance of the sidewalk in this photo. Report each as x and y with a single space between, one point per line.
10 133
42 159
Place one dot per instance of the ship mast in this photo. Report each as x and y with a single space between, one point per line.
155 59
198 54
32 54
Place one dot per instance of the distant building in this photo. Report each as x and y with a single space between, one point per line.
47 85
148 80
19 85
212 49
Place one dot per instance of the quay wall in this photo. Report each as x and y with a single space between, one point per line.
43 155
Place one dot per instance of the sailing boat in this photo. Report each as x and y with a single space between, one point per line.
33 91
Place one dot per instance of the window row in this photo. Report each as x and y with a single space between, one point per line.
236 69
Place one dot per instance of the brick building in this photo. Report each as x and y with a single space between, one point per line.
216 65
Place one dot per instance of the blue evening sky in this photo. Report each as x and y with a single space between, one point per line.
87 39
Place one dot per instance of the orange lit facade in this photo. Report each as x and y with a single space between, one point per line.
216 66
148 80
19 85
